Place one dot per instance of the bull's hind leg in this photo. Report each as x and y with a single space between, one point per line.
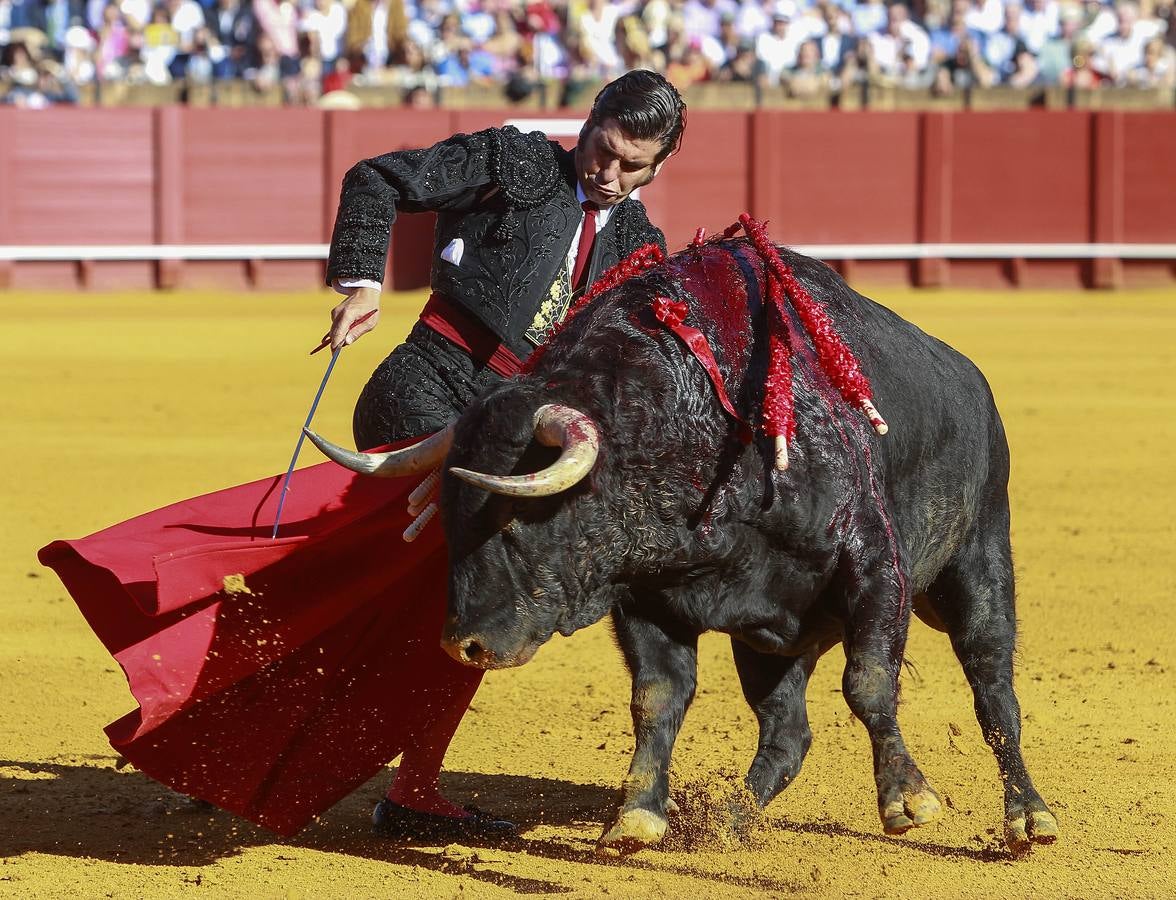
663 661
879 616
774 687
973 597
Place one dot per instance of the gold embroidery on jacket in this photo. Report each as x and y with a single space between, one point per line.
553 308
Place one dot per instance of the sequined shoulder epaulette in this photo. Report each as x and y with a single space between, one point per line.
634 228
524 168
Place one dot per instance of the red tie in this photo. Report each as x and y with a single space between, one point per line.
584 248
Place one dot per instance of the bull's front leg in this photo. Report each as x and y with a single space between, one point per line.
663 661
879 617
774 687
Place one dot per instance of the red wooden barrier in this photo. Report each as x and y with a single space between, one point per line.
262 176
76 176
240 176
834 179
1020 177
838 179
936 168
1149 187
1149 176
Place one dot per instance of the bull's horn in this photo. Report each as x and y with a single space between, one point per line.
555 426
420 457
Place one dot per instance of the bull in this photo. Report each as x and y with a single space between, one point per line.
609 479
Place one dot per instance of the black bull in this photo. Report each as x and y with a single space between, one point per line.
681 527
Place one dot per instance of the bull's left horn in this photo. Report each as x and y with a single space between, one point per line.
420 457
555 426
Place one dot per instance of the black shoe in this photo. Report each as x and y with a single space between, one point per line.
391 820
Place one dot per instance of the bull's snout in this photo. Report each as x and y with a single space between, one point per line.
470 651
481 651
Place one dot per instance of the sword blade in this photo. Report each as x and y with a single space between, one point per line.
302 437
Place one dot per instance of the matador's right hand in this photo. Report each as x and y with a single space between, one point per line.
360 302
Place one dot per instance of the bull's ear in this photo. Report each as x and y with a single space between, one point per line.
555 426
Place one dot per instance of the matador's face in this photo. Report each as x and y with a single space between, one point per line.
611 165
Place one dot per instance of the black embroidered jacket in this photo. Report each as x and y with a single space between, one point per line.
510 199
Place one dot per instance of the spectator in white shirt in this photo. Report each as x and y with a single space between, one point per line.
869 17
375 45
1039 23
424 25
1002 48
137 13
549 57
807 25
904 46
78 53
754 18
776 49
598 24
721 49
477 23
985 16
838 43
1101 21
187 17
1121 52
1158 69
655 16
328 23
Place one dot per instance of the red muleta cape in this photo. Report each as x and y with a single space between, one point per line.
276 693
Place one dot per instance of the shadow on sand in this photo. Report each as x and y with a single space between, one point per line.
84 807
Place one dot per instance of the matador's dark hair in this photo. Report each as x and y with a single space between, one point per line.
647 107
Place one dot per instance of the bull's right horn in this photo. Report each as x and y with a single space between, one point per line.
555 426
420 457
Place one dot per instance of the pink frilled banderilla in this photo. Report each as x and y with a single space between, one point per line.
777 418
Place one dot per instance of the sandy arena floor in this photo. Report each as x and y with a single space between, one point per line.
118 404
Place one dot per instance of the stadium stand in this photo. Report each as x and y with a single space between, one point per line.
724 54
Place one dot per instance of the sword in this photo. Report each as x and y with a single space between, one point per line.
309 416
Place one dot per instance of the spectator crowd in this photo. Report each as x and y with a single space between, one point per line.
308 48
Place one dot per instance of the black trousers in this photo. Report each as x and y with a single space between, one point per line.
422 386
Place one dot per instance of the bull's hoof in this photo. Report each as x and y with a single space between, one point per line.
634 829
907 806
1029 823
